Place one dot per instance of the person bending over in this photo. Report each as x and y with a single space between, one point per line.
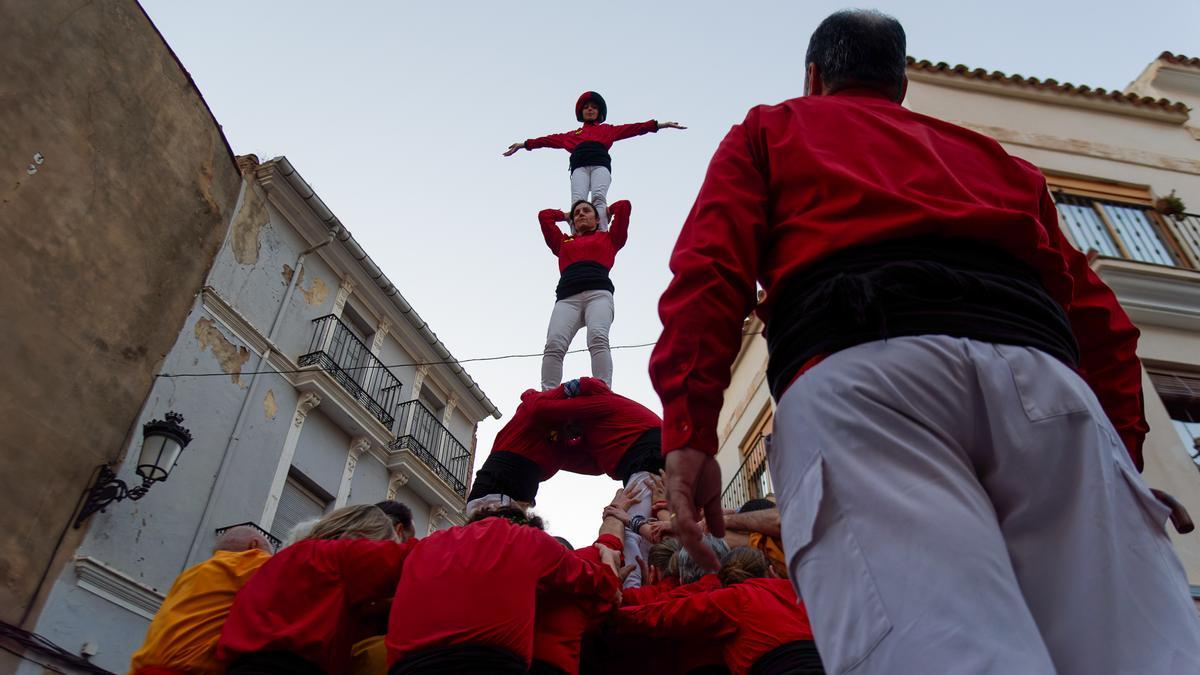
476 588
298 614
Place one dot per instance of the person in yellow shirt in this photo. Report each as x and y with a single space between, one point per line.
757 525
182 638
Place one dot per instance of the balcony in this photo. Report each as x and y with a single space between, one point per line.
752 480
423 435
340 353
1130 231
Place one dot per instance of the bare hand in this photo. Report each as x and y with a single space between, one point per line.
610 558
658 489
655 531
694 484
513 148
670 125
620 514
627 497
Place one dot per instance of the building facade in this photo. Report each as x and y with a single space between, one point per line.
117 198
1115 162
307 382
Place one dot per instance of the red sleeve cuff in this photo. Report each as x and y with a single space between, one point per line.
612 541
690 426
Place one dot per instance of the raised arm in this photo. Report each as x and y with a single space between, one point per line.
765 522
618 232
549 219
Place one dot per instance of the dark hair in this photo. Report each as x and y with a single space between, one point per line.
740 564
859 47
400 514
564 542
571 215
757 505
513 514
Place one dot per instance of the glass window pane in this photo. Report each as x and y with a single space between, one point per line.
1085 226
1138 233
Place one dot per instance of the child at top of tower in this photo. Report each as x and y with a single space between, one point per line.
591 166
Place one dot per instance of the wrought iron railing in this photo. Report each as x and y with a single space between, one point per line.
340 353
423 435
751 481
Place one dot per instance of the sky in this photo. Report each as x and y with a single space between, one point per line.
397 112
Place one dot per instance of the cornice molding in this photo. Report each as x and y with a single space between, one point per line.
100 579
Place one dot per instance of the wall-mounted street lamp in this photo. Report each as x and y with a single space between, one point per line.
162 443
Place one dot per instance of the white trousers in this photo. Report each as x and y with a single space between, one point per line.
635 545
953 506
593 179
593 309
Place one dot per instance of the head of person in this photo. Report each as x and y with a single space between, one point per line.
590 108
402 518
857 49
583 217
362 521
663 558
241 538
743 563
757 505
564 542
513 514
689 570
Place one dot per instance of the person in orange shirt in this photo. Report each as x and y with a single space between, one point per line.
756 524
182 638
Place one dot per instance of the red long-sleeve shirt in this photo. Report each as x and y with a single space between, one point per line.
478 585
604 134
799 181
644 595
749 618
304 599
595 246
531 438
607 424
561 620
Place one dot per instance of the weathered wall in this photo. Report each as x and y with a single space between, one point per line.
105 245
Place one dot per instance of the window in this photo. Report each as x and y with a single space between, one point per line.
299 501
1180 393
1115 229
754 469
432 402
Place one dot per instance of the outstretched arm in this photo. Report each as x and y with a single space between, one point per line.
696 614
549 219
765 522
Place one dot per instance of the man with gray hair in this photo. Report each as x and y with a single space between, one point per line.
183 636
691 569
959 424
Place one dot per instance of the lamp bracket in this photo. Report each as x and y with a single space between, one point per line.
106 490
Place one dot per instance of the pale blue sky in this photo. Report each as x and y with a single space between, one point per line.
397 113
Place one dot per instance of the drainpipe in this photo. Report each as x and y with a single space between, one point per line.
198 536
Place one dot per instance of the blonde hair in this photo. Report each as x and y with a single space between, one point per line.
740 564
363 521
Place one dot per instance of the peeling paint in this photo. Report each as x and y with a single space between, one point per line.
231 357
246 226
287 274
316 293
269 405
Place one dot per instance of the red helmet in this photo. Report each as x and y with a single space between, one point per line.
593 97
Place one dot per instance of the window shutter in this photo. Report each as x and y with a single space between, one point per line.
296 505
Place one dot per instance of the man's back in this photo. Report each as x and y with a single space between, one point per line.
184 632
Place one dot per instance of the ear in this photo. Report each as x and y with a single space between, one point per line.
813 86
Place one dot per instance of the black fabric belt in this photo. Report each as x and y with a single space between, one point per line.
585 275
907 287
273 663
791 658
644 454
461 660
507 473
590 153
